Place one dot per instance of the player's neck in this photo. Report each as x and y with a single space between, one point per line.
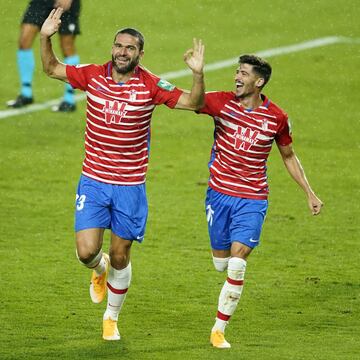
251 102
121 78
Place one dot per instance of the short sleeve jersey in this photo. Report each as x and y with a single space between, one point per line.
118 115
242 143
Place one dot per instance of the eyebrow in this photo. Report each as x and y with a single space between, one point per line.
127 46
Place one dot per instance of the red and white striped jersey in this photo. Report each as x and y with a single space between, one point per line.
243 140
118 115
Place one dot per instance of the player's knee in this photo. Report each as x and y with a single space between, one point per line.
236 268
220 264
119 260
24 44
67 44
87 256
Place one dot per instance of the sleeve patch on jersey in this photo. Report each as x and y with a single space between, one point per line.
165 85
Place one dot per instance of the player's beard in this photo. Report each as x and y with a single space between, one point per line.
126 68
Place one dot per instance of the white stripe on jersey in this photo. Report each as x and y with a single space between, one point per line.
239 186
116 138
121 90
128 160
102 101
238 176
118 146
115 145
112 97
118 130
247 114
114 152
260 113
229 191
111 173
118 167
115 182
236 162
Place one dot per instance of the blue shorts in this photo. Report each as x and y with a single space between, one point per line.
232 218
121 208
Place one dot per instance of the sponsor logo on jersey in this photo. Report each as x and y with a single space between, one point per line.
114 111
245 138
165 85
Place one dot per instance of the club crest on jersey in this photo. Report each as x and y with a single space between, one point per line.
114 111
245 138
132 95
265 125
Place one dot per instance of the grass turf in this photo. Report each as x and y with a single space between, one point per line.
301 299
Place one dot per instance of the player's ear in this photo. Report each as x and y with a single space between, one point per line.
141 54
260 82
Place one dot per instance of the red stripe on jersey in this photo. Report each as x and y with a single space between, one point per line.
117 291
242 144
222 316
118 118
235 282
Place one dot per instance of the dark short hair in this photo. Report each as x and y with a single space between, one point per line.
260 66
132 32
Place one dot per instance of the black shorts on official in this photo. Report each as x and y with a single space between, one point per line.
38 10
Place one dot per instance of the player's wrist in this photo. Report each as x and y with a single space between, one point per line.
198 74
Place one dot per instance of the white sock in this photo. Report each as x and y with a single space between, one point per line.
101 266
220 264
118 283
230 293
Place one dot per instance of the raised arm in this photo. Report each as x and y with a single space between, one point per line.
51 65
295 169
194 58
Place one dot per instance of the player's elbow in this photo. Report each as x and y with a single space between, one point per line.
49 69
199 105
54 70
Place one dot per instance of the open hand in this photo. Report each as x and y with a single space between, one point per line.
52 23
194 57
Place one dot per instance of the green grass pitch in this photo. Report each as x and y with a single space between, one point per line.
302 294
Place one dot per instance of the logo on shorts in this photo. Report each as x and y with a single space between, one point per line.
114 111
72 27
209 214
245 138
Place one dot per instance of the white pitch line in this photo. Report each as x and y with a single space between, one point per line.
325 41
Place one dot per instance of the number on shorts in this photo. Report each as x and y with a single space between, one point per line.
80 201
